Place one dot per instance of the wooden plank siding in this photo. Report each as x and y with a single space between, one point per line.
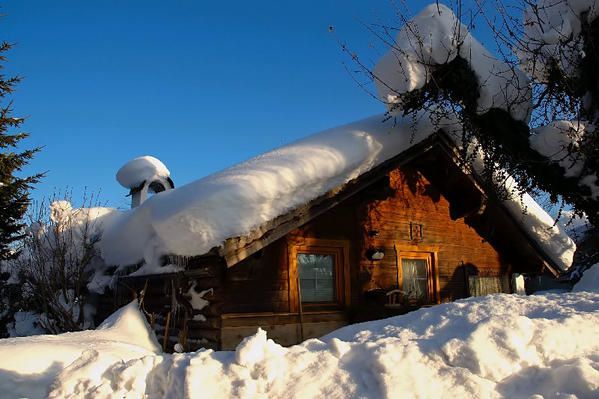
379 216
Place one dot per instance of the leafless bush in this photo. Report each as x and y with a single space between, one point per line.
55 263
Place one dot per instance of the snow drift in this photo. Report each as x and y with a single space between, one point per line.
499 346
589 280
29 366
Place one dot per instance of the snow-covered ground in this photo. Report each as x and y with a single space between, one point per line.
497 346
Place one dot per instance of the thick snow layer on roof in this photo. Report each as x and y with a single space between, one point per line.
29 365
194 218
541 227
435 37
552 36
499 346
138 170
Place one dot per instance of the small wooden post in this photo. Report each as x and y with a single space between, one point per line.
153 321
166 330
301 311
396 262
143 295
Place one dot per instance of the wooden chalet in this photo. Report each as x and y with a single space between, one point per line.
414 231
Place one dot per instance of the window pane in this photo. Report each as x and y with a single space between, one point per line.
415 281
317 277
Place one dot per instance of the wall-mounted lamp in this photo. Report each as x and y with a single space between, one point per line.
375 253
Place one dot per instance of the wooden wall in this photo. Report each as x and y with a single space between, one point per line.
419 206
380 216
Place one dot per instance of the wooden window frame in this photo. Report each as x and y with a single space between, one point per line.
426 256
430 253
340 250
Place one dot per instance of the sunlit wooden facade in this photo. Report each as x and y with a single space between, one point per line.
415 231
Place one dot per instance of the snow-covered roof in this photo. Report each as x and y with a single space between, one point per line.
194 218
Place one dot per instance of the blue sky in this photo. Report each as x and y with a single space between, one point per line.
200 85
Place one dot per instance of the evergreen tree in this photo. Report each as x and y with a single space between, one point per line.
14 190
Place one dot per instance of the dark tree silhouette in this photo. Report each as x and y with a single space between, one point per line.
14 189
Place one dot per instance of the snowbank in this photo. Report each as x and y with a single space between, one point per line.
436 37
30 365
589 280
499 346
141 169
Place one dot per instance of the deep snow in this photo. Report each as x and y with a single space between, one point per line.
499 346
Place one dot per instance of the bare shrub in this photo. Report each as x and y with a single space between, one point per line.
56 259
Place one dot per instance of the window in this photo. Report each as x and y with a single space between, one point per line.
317 270
316 277
416 278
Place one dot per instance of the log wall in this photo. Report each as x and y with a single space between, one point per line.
384 216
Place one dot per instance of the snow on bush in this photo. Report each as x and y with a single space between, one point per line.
552 31
436 37
56 268
24 325
559 142
499 346
138 170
